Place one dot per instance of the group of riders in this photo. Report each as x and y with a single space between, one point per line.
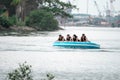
83 38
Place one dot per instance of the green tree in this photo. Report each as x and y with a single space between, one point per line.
2 10
19 4
57 7
24 7
4 22
42 20
10 8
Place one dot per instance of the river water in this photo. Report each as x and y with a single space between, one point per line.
64 64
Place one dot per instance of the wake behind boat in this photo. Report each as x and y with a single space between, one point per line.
72 44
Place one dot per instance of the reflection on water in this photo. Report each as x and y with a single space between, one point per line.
65 64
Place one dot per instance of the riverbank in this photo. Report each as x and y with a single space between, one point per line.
16 31
18 28
22 29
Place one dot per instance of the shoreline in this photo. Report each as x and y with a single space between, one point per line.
18 28
23 29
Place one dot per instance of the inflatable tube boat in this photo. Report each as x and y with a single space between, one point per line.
71 44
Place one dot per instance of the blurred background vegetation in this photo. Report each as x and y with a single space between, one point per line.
39 14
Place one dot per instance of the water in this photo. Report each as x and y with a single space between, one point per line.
65 64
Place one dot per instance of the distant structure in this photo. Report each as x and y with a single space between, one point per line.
107 18
99 12
78 20
112 18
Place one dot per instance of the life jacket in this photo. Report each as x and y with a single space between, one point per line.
68 38
74 39
83 38
59 39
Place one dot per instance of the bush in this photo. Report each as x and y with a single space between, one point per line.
13 20
22 73
20 23
42 20
4 22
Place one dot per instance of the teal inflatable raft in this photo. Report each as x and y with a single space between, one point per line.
70 44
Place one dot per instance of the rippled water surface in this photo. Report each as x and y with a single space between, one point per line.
65 64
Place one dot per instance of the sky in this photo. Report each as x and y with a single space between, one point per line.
82 5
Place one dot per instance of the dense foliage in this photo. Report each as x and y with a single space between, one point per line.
5 22
56 6
10 8
12 20
42 20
